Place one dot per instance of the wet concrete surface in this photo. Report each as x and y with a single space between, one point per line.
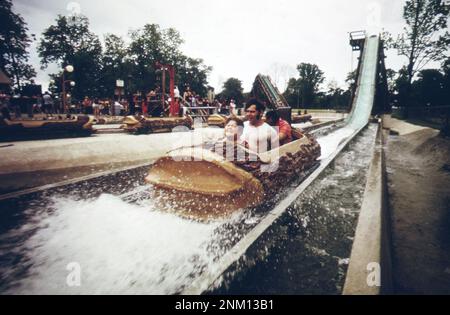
419 203
24 180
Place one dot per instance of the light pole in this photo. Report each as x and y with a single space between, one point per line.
69 69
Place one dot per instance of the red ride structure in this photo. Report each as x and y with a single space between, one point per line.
174 105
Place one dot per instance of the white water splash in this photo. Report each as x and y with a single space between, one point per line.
120 247
330 142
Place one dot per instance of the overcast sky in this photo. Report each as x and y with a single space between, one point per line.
238 38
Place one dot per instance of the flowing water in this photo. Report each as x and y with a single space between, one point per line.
307 250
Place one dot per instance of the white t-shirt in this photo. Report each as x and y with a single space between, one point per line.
259 137
47 99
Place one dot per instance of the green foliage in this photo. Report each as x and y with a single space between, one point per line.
195 74
335 97
425 37
96 71
116 64
429 88
305 89
292 93
14 42
232 89
446 70
72 43
147 47
391 74
60 43
151 44
310 79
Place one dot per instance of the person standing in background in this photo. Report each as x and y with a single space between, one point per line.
48 104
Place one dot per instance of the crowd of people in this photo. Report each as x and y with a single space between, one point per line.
146 104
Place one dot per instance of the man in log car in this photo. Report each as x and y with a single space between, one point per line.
259 135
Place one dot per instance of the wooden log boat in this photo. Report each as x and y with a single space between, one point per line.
217 120
75 126
107 120
297 119
141 124
201 184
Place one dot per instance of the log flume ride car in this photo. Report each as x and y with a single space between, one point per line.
11 130
297 119
144 125
197 183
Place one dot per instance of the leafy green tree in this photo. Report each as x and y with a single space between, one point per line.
232 89
351 79
429 88
309 82
401 89
303 91
336 97
71 42
333 98
147 48
116 64
292 93
152 44
194 74
446 70
425 37
14 44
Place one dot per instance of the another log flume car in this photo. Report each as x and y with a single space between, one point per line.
198 183
45 129
141 124
297 119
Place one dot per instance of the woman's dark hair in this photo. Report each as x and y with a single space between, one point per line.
259 106
272 115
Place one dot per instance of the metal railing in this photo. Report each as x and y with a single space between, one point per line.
202 111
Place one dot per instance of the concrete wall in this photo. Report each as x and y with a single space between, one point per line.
369 270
